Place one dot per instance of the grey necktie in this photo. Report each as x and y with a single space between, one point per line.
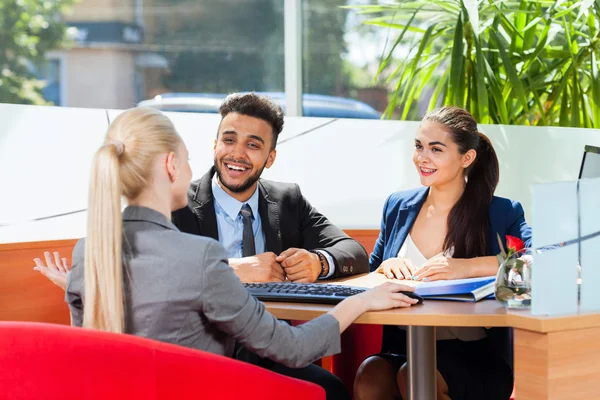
248 248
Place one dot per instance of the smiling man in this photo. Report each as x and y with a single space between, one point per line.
270 231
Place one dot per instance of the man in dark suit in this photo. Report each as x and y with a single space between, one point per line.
291 238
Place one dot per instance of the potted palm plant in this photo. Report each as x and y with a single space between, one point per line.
524 62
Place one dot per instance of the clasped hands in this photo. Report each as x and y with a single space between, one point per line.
294 264
438 267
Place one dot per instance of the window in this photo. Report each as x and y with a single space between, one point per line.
50 73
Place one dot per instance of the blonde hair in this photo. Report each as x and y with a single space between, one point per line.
121 167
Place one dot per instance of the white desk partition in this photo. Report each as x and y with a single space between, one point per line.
589 190
554 281
45 153
554 273
566 214
346 168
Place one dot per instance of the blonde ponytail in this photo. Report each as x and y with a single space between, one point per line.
121 167
103 307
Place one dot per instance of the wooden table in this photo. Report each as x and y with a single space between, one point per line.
555 357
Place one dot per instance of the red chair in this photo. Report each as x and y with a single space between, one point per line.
60 362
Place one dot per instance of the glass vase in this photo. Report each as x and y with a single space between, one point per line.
513 282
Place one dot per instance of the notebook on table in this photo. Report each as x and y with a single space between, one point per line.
470 290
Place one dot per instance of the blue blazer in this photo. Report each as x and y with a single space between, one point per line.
506 217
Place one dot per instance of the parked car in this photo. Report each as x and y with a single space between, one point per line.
313 105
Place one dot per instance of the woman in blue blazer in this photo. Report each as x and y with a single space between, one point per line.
447 229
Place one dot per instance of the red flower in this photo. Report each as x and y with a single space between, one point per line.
514 243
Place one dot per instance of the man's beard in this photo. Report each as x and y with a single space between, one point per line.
247 184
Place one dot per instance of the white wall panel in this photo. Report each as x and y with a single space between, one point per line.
346 167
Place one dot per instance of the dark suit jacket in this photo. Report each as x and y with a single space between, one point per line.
506 217
288 220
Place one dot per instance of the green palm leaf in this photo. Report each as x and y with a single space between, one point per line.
514 61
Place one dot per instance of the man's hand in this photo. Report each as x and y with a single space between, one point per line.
54 269
300 265
259 268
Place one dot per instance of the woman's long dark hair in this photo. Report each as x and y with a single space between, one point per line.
468 219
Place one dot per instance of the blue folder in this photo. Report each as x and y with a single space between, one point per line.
470 290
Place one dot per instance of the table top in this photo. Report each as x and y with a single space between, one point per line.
487 313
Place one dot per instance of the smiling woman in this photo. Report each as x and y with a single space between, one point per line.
447 230
465 167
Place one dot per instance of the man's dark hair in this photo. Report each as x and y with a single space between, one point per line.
257 106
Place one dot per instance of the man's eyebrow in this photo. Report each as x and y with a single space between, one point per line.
257 138
232 131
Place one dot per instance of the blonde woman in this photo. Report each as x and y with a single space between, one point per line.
137 273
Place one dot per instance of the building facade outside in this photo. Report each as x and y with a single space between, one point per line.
106 65
127 51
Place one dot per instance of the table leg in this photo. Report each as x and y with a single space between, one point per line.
422 365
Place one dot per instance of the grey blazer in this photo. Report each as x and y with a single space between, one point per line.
179 289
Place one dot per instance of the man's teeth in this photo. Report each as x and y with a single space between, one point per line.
236 168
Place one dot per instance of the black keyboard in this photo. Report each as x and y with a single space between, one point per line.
301 292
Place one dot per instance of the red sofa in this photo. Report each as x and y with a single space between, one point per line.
50 361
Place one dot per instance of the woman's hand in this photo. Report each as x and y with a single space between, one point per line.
386 296
382 297
441 267
55 270
399 268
